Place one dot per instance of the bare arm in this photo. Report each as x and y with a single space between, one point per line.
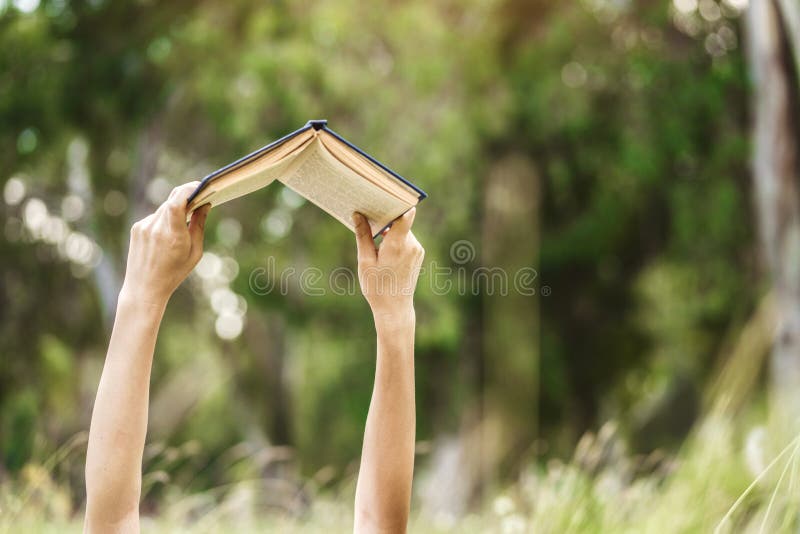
388 277
163 250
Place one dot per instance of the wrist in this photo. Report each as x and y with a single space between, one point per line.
134 295
394 319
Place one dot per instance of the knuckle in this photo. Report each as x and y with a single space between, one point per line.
140 228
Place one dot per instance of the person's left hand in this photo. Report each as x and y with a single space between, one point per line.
388 274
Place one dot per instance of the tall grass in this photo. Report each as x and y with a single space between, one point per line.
725 479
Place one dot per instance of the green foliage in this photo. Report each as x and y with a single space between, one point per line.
634 137
19 425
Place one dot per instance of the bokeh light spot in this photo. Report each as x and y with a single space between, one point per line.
229 232
709 10
209 266
573 74
277 224
291 199
27 141
229 326
115 203
158 190
34 214
26 6
14 191
685 6
72 208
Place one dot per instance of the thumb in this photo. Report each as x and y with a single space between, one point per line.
364 241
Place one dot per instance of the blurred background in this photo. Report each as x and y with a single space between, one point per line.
628 167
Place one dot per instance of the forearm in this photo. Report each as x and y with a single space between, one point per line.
383 492
119 419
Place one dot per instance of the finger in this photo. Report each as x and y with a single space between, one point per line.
142 225
364 241
401 226
175 208
173 199
197 228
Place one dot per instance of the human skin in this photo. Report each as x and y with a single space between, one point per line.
383 490
163 251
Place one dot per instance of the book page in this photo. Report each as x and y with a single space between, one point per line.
334 187
216 194
361 165
254 174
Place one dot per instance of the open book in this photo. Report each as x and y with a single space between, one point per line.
321 166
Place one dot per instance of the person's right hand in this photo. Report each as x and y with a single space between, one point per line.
388 274
163 249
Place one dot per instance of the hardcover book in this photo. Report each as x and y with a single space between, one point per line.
324 168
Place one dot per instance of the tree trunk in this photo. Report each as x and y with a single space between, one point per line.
497 432
510 245
773 27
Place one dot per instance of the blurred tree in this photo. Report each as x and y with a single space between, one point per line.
774 46
644 217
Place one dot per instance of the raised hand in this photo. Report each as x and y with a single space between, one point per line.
388 274
163 249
